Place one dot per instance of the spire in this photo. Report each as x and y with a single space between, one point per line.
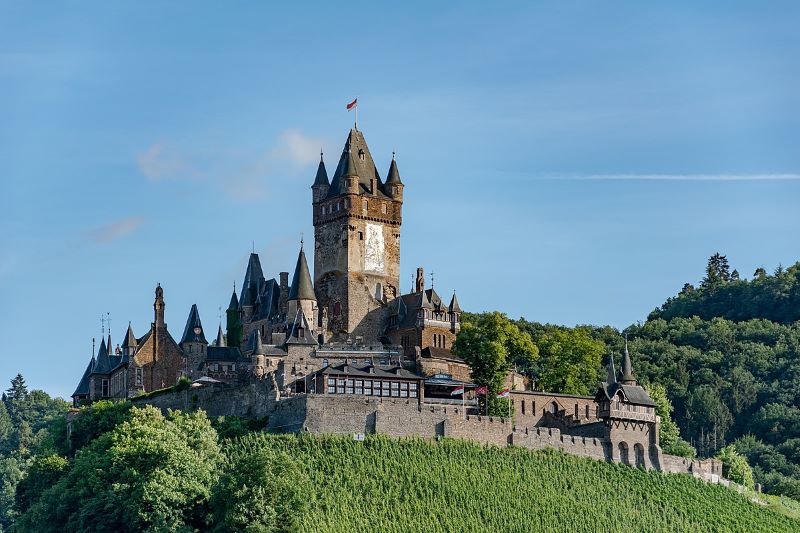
130 339
454 307
253 280
158 307
627 370
322 174
109 346
350 165
394 176
193 332
258 346
302 288
234 299
612 374
220 338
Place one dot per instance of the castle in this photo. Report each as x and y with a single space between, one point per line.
348 353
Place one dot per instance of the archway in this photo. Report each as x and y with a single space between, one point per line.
623 453
638 450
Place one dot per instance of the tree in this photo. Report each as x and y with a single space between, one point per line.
150 473
735 466
760 273
717 271
18 390
670 438
570 360
491 344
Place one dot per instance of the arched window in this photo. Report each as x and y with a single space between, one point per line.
623 453
324 363
554 408
638 450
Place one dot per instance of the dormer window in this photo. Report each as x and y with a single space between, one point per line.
361 155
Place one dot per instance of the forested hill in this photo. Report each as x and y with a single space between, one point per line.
725 294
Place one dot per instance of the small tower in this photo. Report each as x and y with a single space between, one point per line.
233 323
193 342
319 189
220 342
129 344
301 292
627 371
454 310
393 186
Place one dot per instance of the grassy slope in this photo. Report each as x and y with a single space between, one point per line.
416 485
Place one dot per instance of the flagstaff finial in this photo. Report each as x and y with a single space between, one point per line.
354 105
393 154
432 279
320 154
301 240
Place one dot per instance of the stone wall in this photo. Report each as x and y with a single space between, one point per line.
395 417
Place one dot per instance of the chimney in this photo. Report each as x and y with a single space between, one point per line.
420 279
283 304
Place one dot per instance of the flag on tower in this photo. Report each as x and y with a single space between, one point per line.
352 104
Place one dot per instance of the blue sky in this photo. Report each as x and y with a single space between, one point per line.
569 162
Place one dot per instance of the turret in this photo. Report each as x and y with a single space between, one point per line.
129 344
193 342
350 180
158 308
301 292
233 323
319 189
220 342
627 369
393 186
454 310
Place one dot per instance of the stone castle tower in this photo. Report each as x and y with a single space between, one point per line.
357 218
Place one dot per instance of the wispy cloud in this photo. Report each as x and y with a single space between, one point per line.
116 229
240 177
159 162
675 177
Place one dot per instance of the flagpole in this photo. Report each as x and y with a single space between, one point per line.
356 124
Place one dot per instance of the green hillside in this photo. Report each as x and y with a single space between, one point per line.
138 470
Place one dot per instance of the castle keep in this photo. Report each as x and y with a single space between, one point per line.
345 351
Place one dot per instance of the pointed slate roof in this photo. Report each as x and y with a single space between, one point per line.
393 176
258 345
103 364
627 369
220 343
302 288
234 305
83 384
268 301
365 168
300 332
322 174
130 338
253 279
193 332
454 307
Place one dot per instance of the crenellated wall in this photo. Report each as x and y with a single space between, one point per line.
396 417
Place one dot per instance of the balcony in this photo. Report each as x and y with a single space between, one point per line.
627 414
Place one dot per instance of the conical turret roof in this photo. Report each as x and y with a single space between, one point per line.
322 174
220 338
130 338
350 166
253 280
394 176
627 368
357 156
612 373
258 346
193 332
302 288
454 307
234 304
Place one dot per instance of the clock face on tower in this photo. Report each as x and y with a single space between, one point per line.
198 331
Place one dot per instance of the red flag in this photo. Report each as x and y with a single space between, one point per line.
457 391
482 391
352 104
503 394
